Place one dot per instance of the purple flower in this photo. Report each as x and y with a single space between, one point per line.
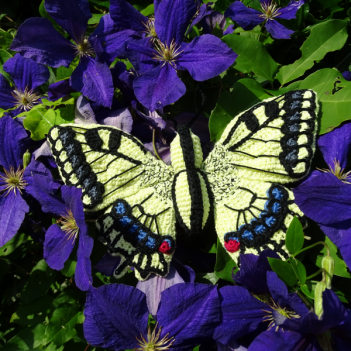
347 75
325 195
205 57
61 237
27 76
116 317
244 313
248 18
37 39
17 183
330 332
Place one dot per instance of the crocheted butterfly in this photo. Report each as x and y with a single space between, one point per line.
270 144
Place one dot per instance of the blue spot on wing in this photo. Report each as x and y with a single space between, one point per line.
120 208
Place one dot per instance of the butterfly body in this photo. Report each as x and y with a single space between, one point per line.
240 182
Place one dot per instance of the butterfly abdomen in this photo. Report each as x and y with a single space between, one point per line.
190 189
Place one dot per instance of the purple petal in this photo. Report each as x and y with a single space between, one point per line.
84 112
278 289
159 87
112 37
324 198
6 99
233 346
154 285
297 305
347 75
57 247
340 235
126 16
277 30
206 57
93 79
252 274
246 18
280 340
43 187
121 119
242 314
72 198
172 19
142 47
82 274
12 211
44 150
72 16
200 15
289 12
37 39
115 315
336 145
189 312
164 151
107 264
26 73
59 90
229 30
13 143
152 118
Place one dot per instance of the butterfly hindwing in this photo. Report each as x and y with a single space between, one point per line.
269 144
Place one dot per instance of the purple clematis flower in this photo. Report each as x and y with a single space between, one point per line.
325 195
347 75
205 57
310 333
248 18
116 317
37 39
27 76
16 183
245 314
61 237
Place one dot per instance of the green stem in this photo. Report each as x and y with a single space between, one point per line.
303 298
314 274
154 145
310 247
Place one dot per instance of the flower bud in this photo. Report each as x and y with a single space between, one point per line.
328 265
26 159
318 299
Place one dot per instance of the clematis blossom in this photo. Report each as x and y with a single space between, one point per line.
17 183
38 39
27 76
325 195
159 60
116 317
248 18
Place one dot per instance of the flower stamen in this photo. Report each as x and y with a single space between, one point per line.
283 311
167 53
269 10
337 171
69 226
14 180
26 99
83 48
153 343
150 28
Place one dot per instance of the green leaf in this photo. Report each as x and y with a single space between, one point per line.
148 10
224 264
11 245
283 270
294 236
38 121
299 269
335 108
4 56
325 37
253 56
308 289
69 268
101 3
40 279
95 18
63 73
340 268
246 92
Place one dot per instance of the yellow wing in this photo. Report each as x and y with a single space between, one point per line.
270 144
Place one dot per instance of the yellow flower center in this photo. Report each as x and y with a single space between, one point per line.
167 53
14 180
69 225
25 99
337 171
269 10
150 28
83 48
153 343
